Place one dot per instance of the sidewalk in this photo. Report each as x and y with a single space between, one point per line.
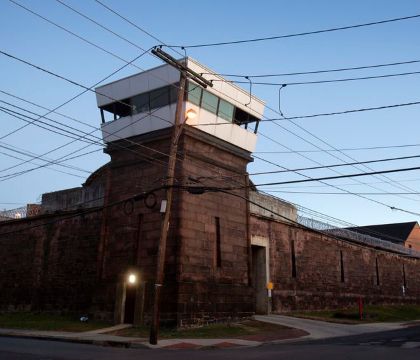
313 328
322 329
100 337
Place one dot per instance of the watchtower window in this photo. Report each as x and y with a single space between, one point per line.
225 110
194 93
209 102
159 98
140 103
119 109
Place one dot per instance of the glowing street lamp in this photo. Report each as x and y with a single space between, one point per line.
190 114
132 279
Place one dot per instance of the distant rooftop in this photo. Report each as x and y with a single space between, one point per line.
396 232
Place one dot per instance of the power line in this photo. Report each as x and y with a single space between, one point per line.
346 184
48 109
317 162
342 149
9 176
286 118
36 122
27 63
391 182
335 186
325 167
90 19
341 193
319 71
338 165
343 112
314 82
70 32
53 110
340 189
98 24
348 27
341 176
78 212
96 128
127 20
63 77
89 144
174 50
334 236
315 137
83 39
58 161
306 140
31 154
57 170
77 95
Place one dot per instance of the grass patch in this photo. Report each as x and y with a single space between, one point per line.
372 313
213 331
48 322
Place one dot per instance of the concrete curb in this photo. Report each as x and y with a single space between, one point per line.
168 344
111 343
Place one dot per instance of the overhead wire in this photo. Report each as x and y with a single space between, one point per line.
127 20
96 128
93 142
340 189
53 169
314 32
151 35
99 24
90 19
341 193
345 184
86 89
338 165
71 32
314 82
66 78
25 152
79 37
145 158
76 96
47 126
343 112
313 72
342 149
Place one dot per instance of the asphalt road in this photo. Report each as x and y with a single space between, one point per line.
401 344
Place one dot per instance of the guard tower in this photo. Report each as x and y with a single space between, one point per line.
146 102
208 256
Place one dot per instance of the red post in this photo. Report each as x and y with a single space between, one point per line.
360 308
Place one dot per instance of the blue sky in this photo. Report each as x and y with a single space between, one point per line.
191 22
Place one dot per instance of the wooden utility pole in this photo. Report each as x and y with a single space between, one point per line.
166 219
178 125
